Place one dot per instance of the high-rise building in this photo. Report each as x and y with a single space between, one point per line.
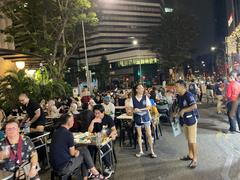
123 23
120 35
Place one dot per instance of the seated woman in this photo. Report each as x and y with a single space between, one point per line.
85 118
128 108
3 119
73 110
20 151
43 104
52 109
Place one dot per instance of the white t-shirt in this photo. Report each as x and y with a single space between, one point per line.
109 109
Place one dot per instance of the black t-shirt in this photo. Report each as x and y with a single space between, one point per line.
217 89
62 140
106 121
121 101
209 85
31 108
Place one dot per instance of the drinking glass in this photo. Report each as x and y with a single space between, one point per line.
5 152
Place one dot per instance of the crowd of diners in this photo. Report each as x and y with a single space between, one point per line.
75 114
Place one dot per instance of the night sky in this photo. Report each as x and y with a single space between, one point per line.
205 12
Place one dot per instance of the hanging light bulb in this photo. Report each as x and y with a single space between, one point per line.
20 64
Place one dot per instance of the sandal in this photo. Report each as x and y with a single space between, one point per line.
186 158
193 164
139 154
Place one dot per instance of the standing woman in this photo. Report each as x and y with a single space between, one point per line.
141 105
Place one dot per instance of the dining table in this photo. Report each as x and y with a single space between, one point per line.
5 175
87 138
125 123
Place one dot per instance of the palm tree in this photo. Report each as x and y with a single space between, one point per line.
12 85
53 89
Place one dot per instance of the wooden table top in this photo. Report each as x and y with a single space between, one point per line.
125 117
4 175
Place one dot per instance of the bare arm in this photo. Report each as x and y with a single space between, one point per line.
188 109
73 151
34 159
113 134
91 127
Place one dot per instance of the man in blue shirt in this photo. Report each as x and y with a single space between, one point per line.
188 118
64 157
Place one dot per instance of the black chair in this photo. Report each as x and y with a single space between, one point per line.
94 152
124 127
55 174
158 128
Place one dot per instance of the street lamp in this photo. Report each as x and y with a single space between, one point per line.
213 49
135 43
86 58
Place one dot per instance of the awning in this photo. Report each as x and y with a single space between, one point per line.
31 60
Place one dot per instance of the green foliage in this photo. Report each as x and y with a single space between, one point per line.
41 76
12 85
103 73
50 28
53 89
17 82
174 38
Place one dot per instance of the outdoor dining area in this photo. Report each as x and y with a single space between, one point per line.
94 125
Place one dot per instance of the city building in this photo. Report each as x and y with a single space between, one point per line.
123 27
232 40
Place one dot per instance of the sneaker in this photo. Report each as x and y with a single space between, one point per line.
139 154
108 172
153 155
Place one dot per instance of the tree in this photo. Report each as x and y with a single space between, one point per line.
16 82
174 38
103 73
50 28
12 85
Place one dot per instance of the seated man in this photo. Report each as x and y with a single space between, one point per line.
20 150
64 157
101 121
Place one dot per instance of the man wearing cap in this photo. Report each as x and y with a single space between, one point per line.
109 107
